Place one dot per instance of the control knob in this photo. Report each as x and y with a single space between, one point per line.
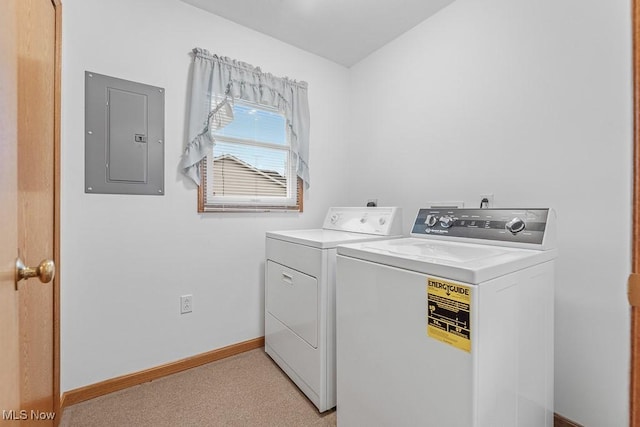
431 220
334 218
382 220
515 226
447 221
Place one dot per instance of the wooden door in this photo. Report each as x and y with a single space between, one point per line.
29 183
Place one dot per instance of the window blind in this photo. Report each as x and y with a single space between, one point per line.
251 160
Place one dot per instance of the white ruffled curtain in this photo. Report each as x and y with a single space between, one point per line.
216 82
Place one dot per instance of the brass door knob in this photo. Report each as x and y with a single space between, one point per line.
45 271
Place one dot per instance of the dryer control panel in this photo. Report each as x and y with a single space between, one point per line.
527 226
370 220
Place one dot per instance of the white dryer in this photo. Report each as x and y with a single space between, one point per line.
451 327
300 294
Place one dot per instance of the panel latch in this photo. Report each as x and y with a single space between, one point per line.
140 137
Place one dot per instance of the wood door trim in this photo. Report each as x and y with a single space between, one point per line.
634 381
560 421
57 106
125 381
9 354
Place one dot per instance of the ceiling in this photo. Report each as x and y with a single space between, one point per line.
343 31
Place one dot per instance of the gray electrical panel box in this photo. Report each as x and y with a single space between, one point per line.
124 136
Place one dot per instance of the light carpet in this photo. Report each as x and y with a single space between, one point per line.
248 389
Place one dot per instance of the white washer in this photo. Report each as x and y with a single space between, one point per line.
300 294
451 327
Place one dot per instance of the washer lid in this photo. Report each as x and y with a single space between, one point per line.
465 262
323 239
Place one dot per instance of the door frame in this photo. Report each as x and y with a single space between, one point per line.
57 107
634 383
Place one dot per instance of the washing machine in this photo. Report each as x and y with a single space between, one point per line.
300 294
451 327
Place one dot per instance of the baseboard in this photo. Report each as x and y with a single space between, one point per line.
560 421
91 391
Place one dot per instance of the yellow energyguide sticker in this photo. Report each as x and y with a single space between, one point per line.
449 313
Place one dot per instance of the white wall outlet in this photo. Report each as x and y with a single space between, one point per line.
489 197
186 304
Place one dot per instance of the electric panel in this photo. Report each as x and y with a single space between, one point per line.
124 136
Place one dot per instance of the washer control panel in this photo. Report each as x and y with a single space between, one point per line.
371 220
506 225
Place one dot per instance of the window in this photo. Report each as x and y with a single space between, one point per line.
251 167
256 155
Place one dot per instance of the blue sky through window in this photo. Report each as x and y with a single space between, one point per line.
256 124
253 123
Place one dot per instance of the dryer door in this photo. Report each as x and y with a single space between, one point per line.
292 298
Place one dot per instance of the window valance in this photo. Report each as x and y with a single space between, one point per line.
216 82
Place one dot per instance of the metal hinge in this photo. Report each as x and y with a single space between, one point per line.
633 289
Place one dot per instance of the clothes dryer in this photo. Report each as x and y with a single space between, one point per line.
452 326
300 294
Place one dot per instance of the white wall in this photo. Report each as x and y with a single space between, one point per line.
531 101
127 259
